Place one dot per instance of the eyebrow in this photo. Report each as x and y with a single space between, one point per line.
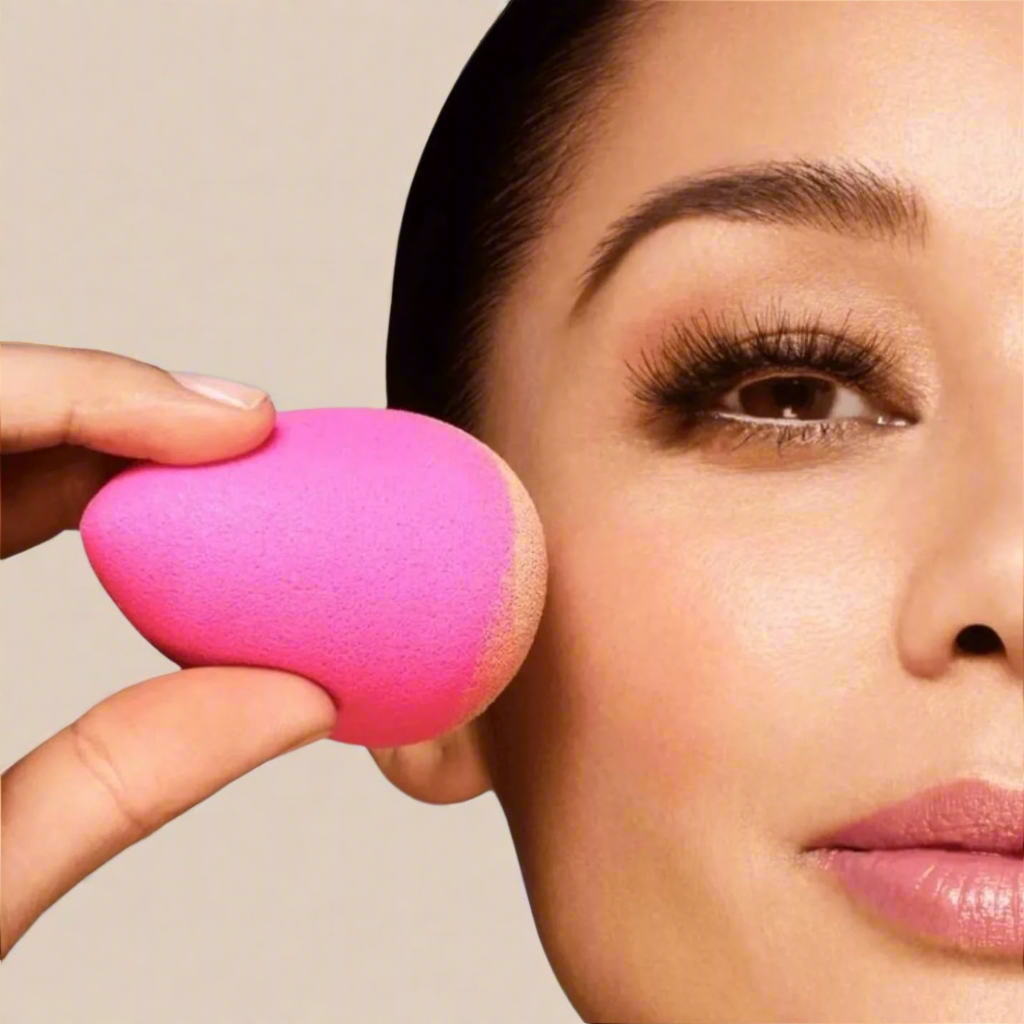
842 197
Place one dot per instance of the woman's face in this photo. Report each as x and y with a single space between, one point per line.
751 641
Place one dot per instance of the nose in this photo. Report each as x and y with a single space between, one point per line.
966 600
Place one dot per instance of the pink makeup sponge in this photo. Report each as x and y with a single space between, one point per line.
387 556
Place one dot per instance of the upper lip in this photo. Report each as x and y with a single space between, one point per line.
965 815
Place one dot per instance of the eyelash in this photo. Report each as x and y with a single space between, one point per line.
699 362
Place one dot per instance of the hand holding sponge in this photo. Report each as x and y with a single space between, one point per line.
387 556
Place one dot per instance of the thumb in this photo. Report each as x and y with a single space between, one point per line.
134 762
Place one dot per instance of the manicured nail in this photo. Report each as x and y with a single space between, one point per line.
230 392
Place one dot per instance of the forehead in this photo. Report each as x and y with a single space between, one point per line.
723 80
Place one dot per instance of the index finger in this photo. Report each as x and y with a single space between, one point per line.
111 403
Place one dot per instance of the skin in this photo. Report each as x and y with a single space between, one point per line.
739 649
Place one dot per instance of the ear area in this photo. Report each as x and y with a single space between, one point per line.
449 769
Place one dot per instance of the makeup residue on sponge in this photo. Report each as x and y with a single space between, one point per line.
389 557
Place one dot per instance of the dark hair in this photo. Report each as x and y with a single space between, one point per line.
500 154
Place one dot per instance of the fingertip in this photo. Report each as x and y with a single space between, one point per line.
279 709
202 430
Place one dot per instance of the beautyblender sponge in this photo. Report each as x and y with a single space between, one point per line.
389 557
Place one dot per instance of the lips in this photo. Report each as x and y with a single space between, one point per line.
968 815
946 865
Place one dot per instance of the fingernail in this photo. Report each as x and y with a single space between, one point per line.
230 392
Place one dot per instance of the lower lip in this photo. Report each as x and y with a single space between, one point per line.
968 900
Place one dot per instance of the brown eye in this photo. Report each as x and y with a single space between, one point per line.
796 398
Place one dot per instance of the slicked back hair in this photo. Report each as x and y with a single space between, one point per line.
503 150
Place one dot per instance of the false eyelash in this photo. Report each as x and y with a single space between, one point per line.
699 362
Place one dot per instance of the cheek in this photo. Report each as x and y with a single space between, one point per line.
694 651
641 655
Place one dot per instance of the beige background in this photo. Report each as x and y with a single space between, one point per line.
217 186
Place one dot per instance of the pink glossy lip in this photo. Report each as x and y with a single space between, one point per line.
947 864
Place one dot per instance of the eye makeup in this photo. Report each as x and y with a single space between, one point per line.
794 364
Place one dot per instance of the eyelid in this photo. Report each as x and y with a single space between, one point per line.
820 436
695 356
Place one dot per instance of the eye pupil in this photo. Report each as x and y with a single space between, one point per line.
785 398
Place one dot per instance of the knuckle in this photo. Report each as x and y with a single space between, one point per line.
93 753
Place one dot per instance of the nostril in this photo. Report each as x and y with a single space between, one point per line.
978 640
